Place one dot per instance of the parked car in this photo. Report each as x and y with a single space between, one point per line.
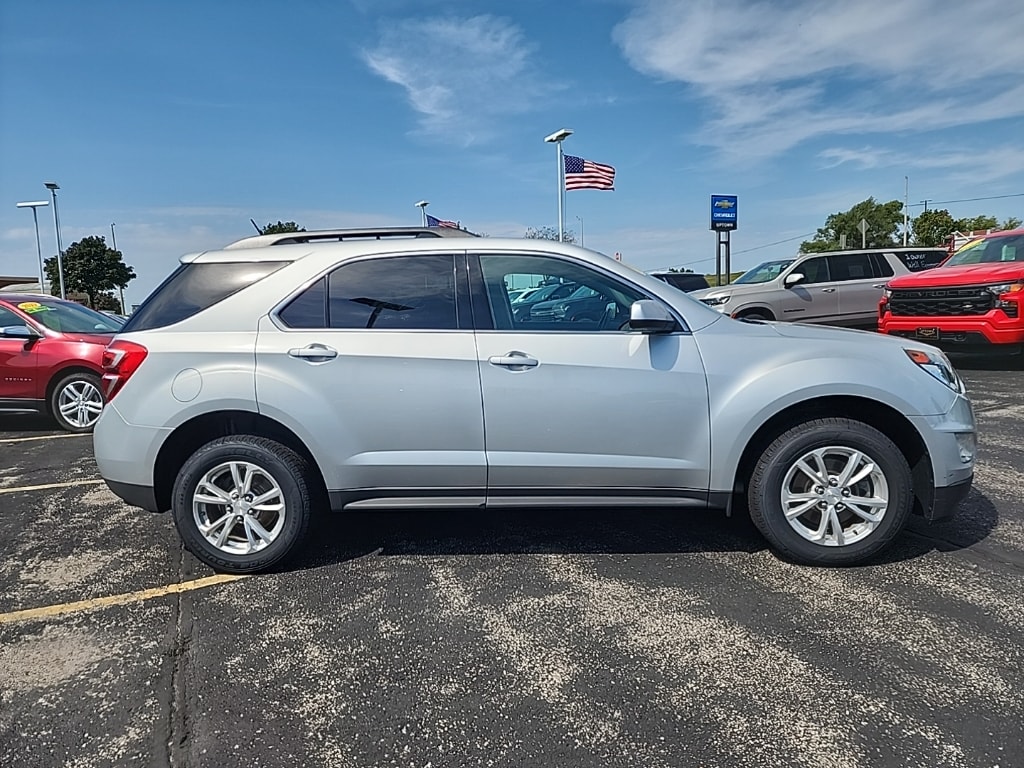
839 288
684 281
585 304
972 303
522 308
258 386
50 358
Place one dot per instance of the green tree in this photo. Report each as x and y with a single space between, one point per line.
90 267
282 227
1011 223
933 227
884 223
549 233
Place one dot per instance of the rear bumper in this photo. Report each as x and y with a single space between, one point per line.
143 496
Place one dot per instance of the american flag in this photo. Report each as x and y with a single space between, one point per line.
433 221
586 174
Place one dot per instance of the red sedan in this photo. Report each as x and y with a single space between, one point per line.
50 353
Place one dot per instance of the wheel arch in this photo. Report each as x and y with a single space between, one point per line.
57 376
201 429
886 419
754 309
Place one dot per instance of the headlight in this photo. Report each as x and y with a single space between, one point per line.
1002 288
937 365
716 301
887 293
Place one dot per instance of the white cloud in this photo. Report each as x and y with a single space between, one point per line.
778 74
460 75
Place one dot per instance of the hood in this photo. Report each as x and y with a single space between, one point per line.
993 272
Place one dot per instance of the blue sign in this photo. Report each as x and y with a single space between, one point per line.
723 212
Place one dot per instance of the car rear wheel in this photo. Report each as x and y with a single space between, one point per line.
830 492
76 402
242 504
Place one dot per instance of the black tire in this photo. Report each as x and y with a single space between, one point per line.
76 402
756 315
274 463
769 481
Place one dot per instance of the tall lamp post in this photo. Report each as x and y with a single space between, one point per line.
39 251
120 288
580 220
557 138
422 205
53 187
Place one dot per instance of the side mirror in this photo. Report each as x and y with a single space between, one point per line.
22 332
794 278
649 316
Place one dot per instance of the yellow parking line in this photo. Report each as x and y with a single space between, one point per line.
49 611
41 437
47 486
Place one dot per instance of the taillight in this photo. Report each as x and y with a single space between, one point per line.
120 360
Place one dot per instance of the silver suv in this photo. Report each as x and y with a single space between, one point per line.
838 288
258 385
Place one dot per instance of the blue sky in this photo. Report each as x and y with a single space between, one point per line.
180 121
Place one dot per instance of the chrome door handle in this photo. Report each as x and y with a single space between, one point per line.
828 290
878 285
314 353
514 360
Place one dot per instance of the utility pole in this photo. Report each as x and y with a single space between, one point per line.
926 204
906 209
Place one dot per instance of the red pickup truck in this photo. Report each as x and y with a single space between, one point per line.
970 302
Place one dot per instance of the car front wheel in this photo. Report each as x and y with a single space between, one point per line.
242 504
830 492
76 402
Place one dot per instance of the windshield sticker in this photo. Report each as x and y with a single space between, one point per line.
32 307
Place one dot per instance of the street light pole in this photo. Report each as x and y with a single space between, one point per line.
120 288
53 187
557 138
422 205
39 250
580 220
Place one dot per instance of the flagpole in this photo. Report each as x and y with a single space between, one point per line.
557 138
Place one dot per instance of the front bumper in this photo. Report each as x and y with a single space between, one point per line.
947 500
981 332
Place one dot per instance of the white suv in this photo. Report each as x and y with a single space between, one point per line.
268 380
837 288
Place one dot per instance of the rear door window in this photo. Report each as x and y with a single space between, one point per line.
194 287
851 266
397 292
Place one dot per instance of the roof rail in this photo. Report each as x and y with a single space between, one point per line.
339 235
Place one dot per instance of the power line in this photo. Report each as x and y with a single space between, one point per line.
933 203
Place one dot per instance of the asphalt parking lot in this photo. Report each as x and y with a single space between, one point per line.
591 638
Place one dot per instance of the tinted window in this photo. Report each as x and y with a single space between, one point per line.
194 287
407 292
882 266
915 261
851 266
684 281
584 300
813 270
763 273
308 309
9 318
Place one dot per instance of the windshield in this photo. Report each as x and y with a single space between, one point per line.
67 317
763 273
989 250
